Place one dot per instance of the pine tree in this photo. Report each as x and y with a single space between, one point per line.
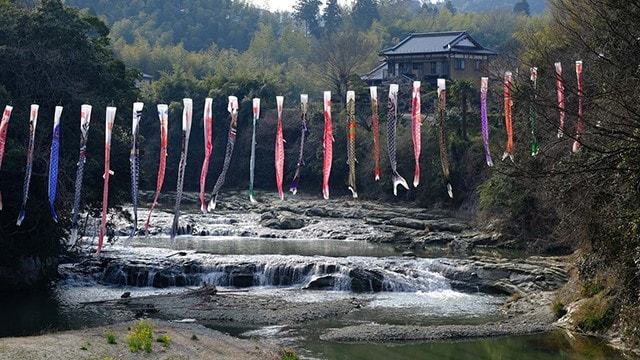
308 12
332 16
449 6
364 12
522 7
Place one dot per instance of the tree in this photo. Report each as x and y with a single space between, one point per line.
521 7
364 13
462 91
449 6
332 17
308 12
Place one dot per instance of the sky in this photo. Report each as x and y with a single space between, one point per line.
284 5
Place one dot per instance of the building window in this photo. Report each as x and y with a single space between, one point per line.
417 67
434 67
459 64
478 65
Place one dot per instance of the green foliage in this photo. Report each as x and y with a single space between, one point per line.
165 340
289 354
364 13
111 337
140 337
592 288
558 308
596 314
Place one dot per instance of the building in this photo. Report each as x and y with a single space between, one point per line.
426 57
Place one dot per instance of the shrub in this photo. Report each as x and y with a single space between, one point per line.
165 340
289 354
140 337
111 337
595 314
558 308
592 288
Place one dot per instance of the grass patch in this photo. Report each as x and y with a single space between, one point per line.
140 337
595 314
592 288
111 337
289 354
558 308
165 340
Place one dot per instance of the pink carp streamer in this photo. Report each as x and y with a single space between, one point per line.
351 142
392 120
484 122
375 126
208 149
533 118
560 95
4 128
416 122
33 121
109 120
327 144
187 116
279 150
508 120
163 115
580 124
444 158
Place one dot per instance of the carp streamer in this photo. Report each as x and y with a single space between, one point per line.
108 128
4 128
533 119
135 163
207 122
163 115
232 107
560 95
252 162
187 115
53 162
85 119
416 122
33 121
392 119
375 126
484 122
304 104
327 145
444 159
279 150
351 141
508 121
580 123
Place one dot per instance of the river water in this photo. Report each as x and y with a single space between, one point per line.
419 297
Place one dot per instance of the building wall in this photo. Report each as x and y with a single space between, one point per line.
420 68
471 71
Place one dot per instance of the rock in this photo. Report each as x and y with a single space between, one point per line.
126 295
363 280
283 221
325 282
409 254
408 223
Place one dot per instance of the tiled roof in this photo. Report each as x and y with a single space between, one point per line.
437 42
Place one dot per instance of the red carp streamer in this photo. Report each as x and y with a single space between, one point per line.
580 123
560 94
208 149
508 121
4 128
375 126
416 122
110 118
279 160
444 159
163 115
327 144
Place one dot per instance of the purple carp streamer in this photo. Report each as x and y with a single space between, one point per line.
187 115
135 162
108 128
580 124
4 128
444 159
304 106
163 115
392 119
33 121
85 119
53 162
351 142
252 162
231 140
375 127
484 122
416 122
560 95
533 118
508 116
207 122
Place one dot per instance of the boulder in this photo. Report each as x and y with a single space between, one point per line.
363 280
324 282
